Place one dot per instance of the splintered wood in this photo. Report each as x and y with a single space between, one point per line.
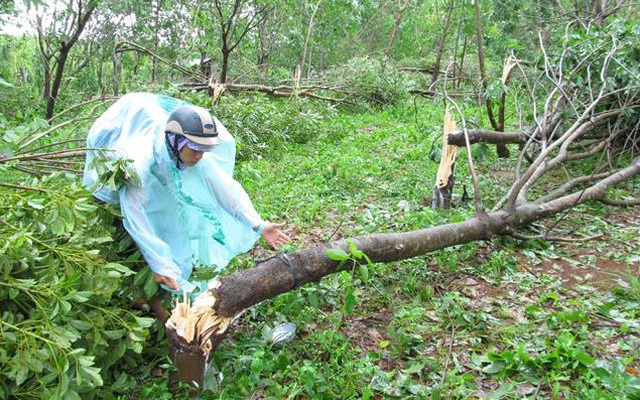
509 64
197 322
449 153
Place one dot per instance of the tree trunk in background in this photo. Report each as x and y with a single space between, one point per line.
117 68
501 149
57 79
307 40
396 24
439 45
60 53
224 66
230 34
462 58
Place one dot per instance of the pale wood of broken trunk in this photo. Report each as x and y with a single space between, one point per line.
443 189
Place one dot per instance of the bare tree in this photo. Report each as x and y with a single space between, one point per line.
58 32
498 124
402 6
440 41
235 19
307 38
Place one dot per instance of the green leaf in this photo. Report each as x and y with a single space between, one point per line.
38 204
350 302
337 254
113 334
150 287
137 347
81 325
66 306
144 322
141 276
5 83
503 390
119 268
81 297
90 372
602 373
584 359
363 273
494 368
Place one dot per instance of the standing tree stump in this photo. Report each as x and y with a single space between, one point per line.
443 189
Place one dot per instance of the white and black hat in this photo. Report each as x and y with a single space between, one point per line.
195 123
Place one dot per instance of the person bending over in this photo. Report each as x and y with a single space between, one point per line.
183 209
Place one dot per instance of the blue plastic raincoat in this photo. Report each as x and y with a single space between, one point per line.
178 218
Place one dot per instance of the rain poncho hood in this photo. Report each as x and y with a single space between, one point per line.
197 216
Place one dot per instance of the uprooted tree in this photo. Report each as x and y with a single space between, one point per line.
578 136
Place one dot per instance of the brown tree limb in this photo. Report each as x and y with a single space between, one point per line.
127 45
423 92
228 296
22 187
281 90
486 136
570 185
423 70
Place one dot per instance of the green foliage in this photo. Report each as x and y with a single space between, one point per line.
371 83
113 172
261 125
67 328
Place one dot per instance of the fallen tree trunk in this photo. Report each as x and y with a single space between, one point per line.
209 319
239 291
279 91
486 136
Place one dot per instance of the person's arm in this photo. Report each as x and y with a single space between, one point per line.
235 200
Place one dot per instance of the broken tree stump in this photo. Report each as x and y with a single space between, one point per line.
443 189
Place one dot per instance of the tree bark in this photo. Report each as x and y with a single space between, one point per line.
233 294
501 149
486 136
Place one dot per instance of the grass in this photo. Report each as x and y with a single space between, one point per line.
482 320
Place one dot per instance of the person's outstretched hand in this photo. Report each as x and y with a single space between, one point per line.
167 281
274 236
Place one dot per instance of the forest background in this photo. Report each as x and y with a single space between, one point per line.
338 110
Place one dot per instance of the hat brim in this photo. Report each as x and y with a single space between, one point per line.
199 146
203 140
